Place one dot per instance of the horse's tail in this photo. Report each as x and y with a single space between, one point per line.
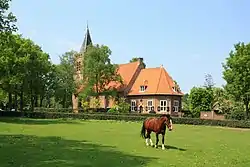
143 130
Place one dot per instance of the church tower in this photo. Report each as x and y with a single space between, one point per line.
78 67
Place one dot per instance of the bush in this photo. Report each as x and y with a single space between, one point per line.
235 115
125 117
113 110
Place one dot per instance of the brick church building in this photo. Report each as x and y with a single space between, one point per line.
145 89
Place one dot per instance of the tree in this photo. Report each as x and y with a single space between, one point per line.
134 59
199 100
98 71
209 83
24 67
237 74
221 100
7 19
185 102
65 81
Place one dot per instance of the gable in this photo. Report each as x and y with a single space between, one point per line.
126 71
156 81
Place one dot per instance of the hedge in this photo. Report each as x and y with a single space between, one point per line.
125 117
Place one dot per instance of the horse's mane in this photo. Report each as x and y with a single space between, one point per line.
166 115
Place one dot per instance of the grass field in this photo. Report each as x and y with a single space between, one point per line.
58 143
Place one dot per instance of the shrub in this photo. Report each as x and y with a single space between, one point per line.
123 106
237 112
125 117
85 105
113 110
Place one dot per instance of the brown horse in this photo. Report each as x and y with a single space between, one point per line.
157 125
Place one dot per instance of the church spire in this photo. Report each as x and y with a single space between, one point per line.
87 40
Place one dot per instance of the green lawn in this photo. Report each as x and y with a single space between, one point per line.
58 143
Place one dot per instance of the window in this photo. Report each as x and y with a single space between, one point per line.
150 105
176 106
133 105
142 88
163 105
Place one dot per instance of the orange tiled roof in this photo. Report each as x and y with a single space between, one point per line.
157 80
126 72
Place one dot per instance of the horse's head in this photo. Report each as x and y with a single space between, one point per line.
167 121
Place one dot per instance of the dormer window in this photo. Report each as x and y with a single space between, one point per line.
143 88
174 89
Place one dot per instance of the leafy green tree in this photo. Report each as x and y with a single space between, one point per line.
98 71
7 26
7 19
199 100
237 74
134 59
65 79
185 102
24 67
11 66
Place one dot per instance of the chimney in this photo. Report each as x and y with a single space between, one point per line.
140 59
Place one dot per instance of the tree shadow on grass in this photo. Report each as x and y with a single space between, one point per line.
33 151
31 121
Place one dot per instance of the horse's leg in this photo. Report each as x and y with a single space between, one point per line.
149 137
157 140
162 142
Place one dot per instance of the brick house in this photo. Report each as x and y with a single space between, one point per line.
145 89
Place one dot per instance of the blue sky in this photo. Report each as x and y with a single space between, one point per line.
189 38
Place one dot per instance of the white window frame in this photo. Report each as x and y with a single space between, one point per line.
133 107
176 107
142 90
162 107
150 107
165 108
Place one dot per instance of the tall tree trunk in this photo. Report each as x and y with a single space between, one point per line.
65 105
10 101
31 96
64 100
21 100
41 100
49 101
15 98
36 100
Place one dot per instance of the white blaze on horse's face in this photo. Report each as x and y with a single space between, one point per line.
170 126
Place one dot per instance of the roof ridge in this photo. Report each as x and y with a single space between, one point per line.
159 81
166 73
128 63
